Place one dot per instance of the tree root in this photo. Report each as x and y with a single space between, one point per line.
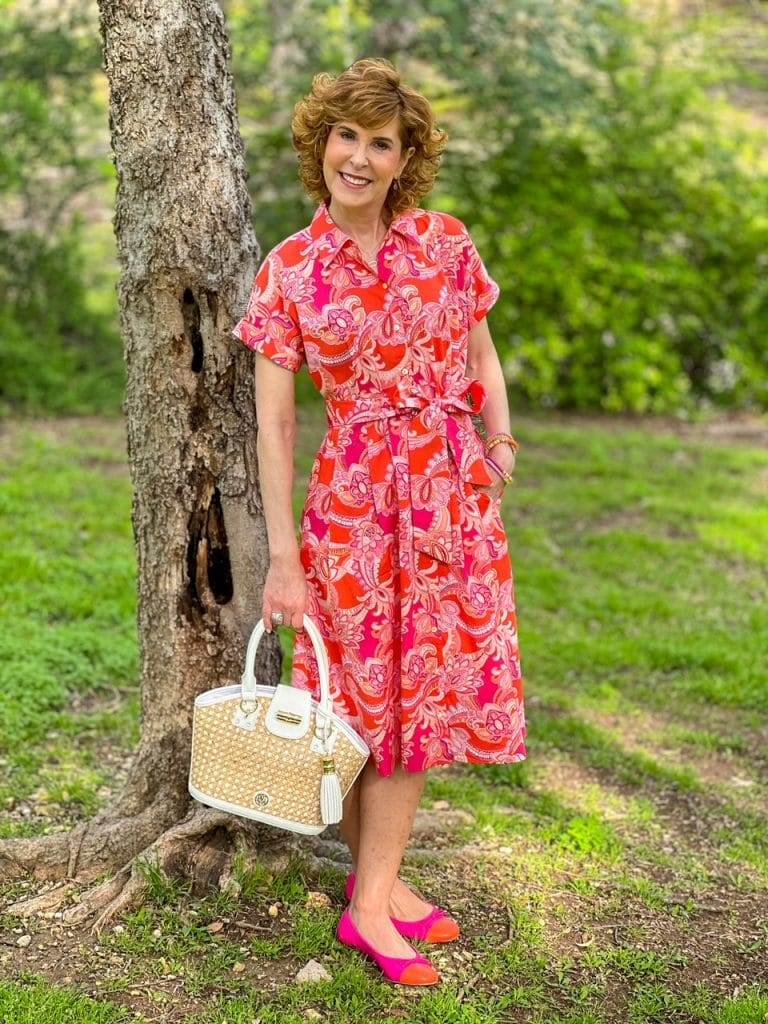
45 902
93 847
200 849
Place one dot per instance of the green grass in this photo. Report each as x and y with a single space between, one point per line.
34 1001
67 611
589 873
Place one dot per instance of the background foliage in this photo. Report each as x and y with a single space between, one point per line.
609 159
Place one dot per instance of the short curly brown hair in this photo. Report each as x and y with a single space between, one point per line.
371 93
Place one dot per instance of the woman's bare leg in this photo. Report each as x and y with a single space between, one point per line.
387 809
404 903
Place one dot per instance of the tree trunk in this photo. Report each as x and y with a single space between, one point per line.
187 256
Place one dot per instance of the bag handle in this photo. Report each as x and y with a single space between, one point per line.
248 680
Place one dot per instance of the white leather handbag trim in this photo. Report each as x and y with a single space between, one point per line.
245 812
290 712
246 719
222 693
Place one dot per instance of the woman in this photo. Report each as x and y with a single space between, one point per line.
403 561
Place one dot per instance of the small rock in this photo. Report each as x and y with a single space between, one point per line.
232 888
274 910
317 899
312 971
23 940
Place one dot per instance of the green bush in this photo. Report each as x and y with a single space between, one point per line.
620 207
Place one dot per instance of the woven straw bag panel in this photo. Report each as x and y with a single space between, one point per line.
248 767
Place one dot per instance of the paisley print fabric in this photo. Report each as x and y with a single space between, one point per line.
407 565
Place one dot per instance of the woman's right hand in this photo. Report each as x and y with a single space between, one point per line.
286 591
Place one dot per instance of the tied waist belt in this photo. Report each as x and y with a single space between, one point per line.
436 432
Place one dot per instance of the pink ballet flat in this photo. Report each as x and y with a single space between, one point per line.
437 926
409 970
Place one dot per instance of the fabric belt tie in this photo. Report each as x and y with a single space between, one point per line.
437 430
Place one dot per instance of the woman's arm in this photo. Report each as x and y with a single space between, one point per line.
276 417
483 363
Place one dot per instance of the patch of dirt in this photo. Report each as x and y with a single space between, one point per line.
684 825
100 430
722 942
37 810
729 773
146 983
725 428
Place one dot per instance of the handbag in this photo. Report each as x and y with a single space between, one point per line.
273 753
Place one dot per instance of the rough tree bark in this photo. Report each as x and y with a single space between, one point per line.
187 256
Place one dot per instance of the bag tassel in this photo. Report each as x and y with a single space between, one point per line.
330 794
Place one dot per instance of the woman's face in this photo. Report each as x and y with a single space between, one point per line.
371 157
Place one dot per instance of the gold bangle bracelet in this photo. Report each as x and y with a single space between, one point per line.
506 476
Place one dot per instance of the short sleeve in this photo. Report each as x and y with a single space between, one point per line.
474 279
269 324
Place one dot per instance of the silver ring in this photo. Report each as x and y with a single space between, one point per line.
277 617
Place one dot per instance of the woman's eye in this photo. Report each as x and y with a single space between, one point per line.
345 134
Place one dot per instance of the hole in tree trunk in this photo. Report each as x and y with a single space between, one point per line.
191 313
209 574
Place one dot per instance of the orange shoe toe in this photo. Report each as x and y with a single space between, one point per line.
419 974
445 929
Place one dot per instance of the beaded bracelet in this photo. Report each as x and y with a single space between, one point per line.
495 439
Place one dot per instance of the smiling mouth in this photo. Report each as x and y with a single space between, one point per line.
354 181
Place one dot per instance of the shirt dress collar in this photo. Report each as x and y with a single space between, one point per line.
329 238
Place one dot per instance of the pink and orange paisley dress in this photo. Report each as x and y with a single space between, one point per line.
407 565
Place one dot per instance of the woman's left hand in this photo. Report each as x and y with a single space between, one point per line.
495 490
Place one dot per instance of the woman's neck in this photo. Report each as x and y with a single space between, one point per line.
366 226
